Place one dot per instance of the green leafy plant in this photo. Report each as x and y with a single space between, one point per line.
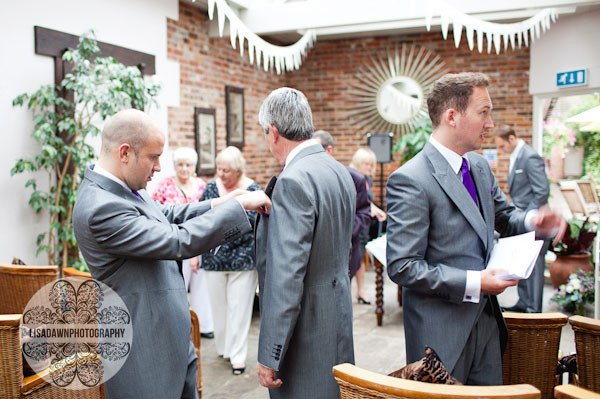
578 237
578 291
590 141
101 87
412 143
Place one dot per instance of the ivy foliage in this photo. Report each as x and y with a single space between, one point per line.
101 87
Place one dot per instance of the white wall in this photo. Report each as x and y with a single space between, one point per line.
571 43
136 24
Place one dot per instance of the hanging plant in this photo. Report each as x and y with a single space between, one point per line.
101 87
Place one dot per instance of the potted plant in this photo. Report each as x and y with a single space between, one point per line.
578 291
573 252
101 87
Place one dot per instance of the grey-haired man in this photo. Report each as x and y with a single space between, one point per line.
302 252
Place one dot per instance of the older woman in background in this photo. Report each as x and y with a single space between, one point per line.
184 188
364 161
230 270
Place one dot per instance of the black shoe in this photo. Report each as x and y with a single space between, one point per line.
363 301
514 309
238 370
208 335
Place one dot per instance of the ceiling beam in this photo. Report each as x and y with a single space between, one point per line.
319 14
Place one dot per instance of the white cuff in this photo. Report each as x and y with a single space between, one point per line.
530 215
473 287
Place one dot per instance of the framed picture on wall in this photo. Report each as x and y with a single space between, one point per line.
234 102
205 131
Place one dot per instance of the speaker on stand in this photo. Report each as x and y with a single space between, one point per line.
381 145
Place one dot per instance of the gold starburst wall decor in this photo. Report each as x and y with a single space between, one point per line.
390 95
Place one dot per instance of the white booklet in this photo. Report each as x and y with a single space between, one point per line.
516 255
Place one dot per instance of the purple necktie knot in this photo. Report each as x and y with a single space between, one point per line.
468 180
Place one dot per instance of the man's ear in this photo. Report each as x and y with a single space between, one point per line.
329 150
449 117
125 151
273 130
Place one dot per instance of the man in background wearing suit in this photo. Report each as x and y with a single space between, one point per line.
529 189
132 243
302 253
362 217
443 207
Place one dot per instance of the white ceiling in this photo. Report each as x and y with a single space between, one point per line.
284 21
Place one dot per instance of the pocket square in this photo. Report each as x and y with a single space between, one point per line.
519 171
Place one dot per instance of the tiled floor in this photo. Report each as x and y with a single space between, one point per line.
380 349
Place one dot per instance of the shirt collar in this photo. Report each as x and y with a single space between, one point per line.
297 150
101 171
517 149
450 156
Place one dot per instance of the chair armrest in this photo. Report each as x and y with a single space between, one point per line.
574 392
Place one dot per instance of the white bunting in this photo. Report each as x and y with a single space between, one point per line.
282 58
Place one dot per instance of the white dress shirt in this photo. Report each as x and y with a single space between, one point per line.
297 150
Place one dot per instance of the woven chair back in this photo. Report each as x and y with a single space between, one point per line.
532 351
19 283
587 345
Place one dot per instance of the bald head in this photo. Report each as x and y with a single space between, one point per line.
129 126
131 147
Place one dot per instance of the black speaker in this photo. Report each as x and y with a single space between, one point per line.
381 145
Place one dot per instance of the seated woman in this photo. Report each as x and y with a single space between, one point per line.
230 270
184 188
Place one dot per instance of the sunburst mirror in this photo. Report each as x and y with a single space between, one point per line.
391 94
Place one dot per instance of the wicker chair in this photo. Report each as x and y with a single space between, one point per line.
532 350
12 383
587 346
574 392
358 383
195 334
19 283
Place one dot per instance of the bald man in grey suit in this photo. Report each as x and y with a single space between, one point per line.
443 207
135 246
302 253
529 189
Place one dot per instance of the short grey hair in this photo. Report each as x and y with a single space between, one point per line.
186 153
287 109
324 138
233 157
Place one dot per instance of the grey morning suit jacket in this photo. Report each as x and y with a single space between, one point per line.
435 234
527 181
302 253
529 189
131 245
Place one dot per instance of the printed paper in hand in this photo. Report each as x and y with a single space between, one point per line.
516 255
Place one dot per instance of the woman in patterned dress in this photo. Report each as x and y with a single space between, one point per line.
230 270
184 188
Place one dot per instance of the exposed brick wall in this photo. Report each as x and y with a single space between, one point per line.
331 66
208 65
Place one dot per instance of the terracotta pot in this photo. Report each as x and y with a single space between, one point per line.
564 265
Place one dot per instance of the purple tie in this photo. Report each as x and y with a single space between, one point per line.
138 194
468 180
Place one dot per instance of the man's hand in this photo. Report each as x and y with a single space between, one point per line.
267 377
548 223
235 193
255 201
495 285
194 264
